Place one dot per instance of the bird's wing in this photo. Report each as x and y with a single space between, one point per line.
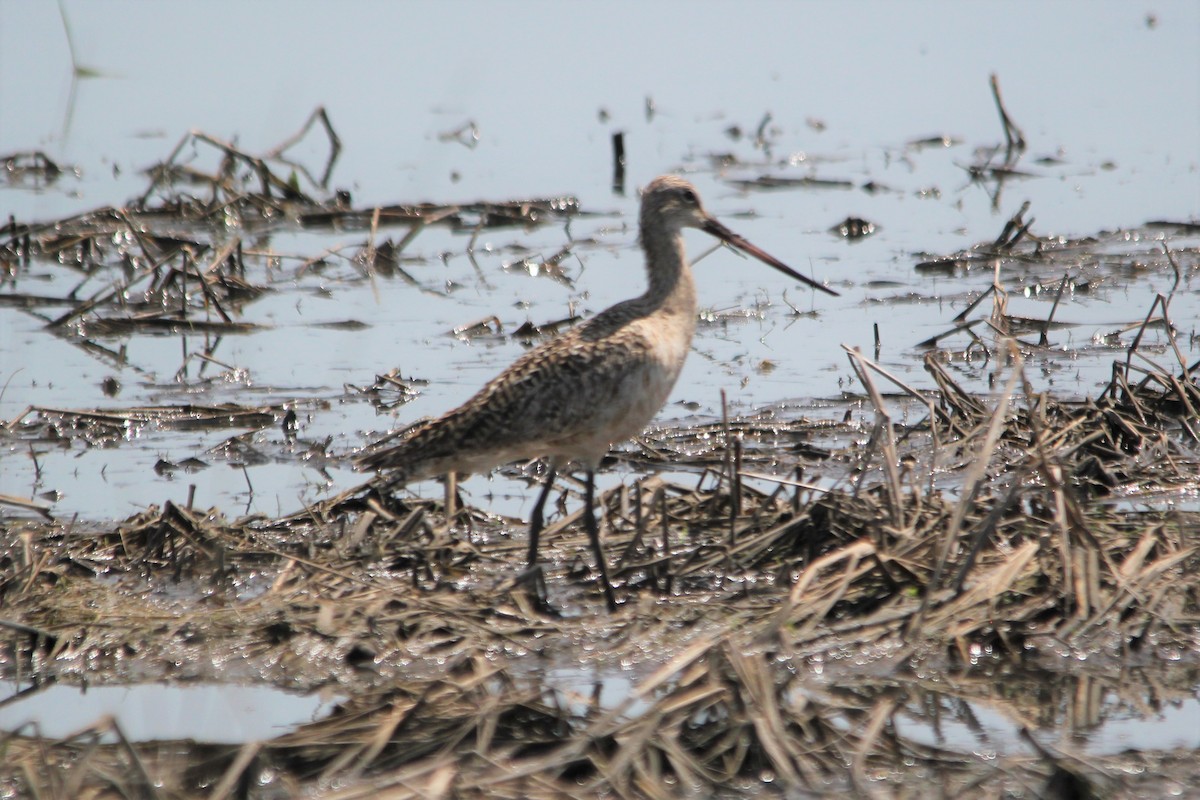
573 385
567 387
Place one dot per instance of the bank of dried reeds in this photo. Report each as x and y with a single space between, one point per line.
788 626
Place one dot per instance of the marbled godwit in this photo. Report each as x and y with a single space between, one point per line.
569 399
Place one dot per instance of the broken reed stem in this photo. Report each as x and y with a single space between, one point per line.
1158 302
999 317
735 507
210 298
731 461
639 519
1013 137
666 541
618 147
1064 517
937 337
1062 285
183 279
728 476
1175 266
884 421
796 504
335 142
973 482
450 497
880 717
149 787
986 528
1082 553
1014 228
1170 328
370 255
228 783
103 297
897 382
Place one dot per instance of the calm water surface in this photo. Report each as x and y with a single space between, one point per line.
1106 95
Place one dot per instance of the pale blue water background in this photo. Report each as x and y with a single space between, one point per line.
1111 96
1114 98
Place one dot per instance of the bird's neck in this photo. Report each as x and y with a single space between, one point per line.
671 289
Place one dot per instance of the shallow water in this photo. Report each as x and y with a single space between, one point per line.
1105 97
214 713
846 94
1083 710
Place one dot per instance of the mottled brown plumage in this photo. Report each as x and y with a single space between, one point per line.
571 398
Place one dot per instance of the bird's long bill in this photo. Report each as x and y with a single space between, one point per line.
729 237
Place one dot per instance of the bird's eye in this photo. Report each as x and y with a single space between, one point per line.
690 197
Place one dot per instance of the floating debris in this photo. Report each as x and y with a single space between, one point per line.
816 594
853 228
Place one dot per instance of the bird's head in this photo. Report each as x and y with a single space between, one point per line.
670 204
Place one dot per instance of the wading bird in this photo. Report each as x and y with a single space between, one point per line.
571 398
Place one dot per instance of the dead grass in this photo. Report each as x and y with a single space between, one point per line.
782 620
1032 554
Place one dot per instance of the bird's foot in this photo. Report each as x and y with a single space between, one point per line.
610 597
533 580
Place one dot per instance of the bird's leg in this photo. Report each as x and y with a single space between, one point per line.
593 531
537 520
